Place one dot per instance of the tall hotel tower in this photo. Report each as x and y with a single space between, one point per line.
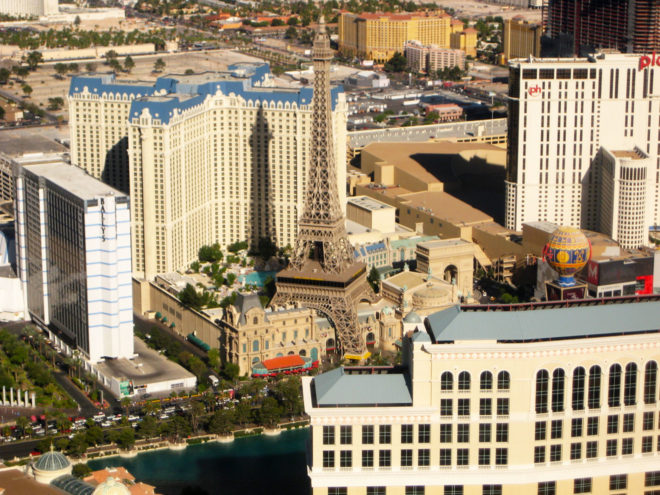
214 157
584 144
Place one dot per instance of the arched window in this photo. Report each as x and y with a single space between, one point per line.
302 352
630 386
255 346
614 388
464 381
593 398
558 390
650 382
542 391
578 389
447 381
503 380
255 320
486 381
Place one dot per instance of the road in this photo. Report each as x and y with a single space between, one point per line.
14 98
19 449
85 406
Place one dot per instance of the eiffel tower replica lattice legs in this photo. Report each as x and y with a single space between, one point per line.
323 274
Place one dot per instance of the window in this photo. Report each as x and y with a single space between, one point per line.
447 381
484 432
423 457
578 389
462 457
594 387
501 456
592 450
542 391
328 435
592 426
647 422
582 485
368 434
611 447
445 457
406 433
406 457
414 490
345 458
484 457
337 491
558 390
576 427
576 451
539 454
555 453
647 445
618 481
503 407
614 389
446 406
491 490
367 458
463 407
346 434
385 433
328 458
384 458
375 490
464 381
612 424
628 422
652 478
630 385
424 433
453 490
502 432
547 488
556 428
486 381
503 380
445 433
650 382
485 407
540 430
626 446
463 433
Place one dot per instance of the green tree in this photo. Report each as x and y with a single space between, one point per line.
243 413
221 422
61 68
20 71
189 72
115 65
74 67
94 435
214 359
110 55
159 65
76 21
90 67
126 403
27 89
126 438
267 248
230 371
81 470
4 75
237 246
293 21
197 410
291 33
397 63
210 253
374 279
431 117
34 59
277 22
230 279
148 427
129 63
78 444
269 413
55 103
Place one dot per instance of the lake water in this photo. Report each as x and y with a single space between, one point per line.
255 465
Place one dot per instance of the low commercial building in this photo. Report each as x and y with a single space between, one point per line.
432 58
536 399
447 112
371 213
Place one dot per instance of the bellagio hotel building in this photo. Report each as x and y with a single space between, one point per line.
213 157
535 400
584 144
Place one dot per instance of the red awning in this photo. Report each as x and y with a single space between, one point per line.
283 362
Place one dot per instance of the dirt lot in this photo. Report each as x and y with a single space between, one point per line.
475 8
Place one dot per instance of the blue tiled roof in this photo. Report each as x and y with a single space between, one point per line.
246 84
375 247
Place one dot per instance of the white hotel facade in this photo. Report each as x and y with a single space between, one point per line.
74 258
568 120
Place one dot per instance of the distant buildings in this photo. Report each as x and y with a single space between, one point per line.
28 8
540 400
447 112
379 36
583 144
74 258
465 40
215 157
521 39
431 58
578 27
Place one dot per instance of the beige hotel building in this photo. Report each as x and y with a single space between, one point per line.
213 157
541 399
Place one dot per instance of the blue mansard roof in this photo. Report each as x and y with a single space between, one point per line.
177 92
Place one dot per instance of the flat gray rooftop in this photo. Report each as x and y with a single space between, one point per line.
15 144
337 388
370 204
148 367
575 322
73 179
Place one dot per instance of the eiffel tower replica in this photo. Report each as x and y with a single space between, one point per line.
323 273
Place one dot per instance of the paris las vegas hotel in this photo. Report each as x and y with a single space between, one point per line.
584 144
213 157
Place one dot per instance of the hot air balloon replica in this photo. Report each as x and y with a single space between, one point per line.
567 252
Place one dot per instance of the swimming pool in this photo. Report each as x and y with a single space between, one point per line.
256 278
